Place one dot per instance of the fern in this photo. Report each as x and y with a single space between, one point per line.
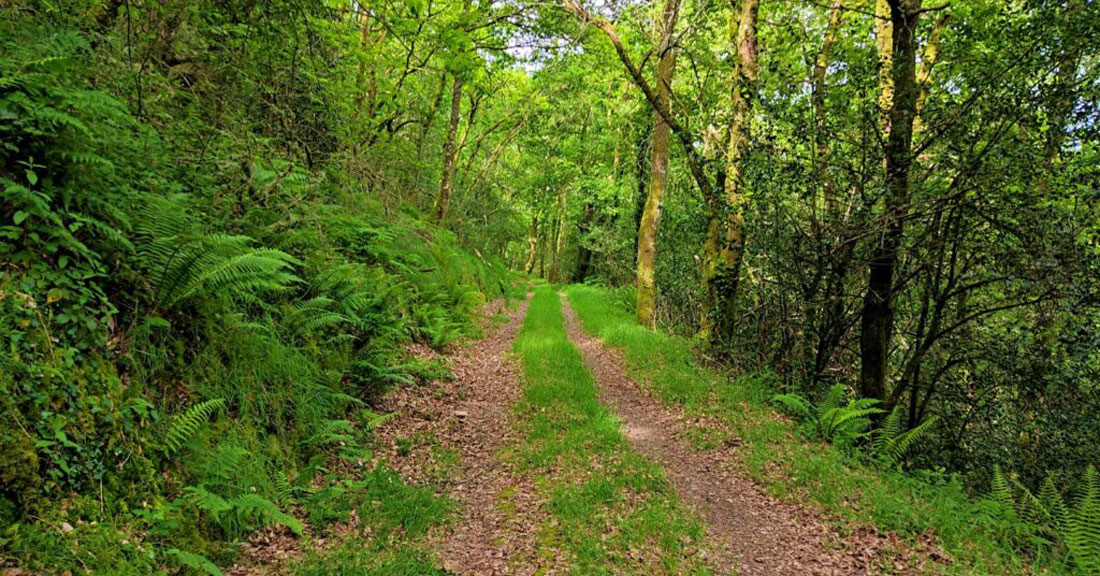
1077 527
185 425
835 419
1081 527
194 561
241 513
253 507
208 502
332 432
284 489
891 442
999 489
794 406
185 263
374 421
314 315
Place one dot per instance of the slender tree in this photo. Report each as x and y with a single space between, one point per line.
450 152
877 322
722 267
658 173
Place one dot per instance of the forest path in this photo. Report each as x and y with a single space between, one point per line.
749 530
471 416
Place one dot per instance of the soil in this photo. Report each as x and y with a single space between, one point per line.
471 416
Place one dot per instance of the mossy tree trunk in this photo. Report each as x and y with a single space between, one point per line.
450 152
658 174
532 244
725 243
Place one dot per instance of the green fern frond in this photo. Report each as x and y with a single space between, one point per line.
313 315
213 268
890 445
331 432
58 119
253 507
1053 504
850 421
793 405
999 489
374 421
834 398
890 428
195 561
284 489
207 501
185 263
1032 507
185 425
1082 525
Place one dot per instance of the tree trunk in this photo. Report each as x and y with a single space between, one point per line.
446 185
722 271
641 177
658 175
532 244
877 324
559 238
584 254
884 34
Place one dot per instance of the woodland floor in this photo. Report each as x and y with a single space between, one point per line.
463 435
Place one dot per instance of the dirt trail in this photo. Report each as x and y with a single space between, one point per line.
749 530
471 416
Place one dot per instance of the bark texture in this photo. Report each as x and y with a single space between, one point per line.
658 174
877 322
446 185
725 245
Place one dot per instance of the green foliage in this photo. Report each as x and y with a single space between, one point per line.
891 441
183 263
1048 518
194 561
169 232
846 422
837 419
241 513
185 425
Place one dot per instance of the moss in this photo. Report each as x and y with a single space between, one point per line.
19 477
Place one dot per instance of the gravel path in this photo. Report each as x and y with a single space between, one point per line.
471 415
749 531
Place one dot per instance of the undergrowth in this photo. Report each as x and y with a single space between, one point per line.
188 358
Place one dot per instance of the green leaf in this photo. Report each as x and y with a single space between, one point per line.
20 216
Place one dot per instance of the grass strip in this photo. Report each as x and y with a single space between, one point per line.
609 510
791 468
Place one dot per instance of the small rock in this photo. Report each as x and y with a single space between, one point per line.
66 527
462 414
